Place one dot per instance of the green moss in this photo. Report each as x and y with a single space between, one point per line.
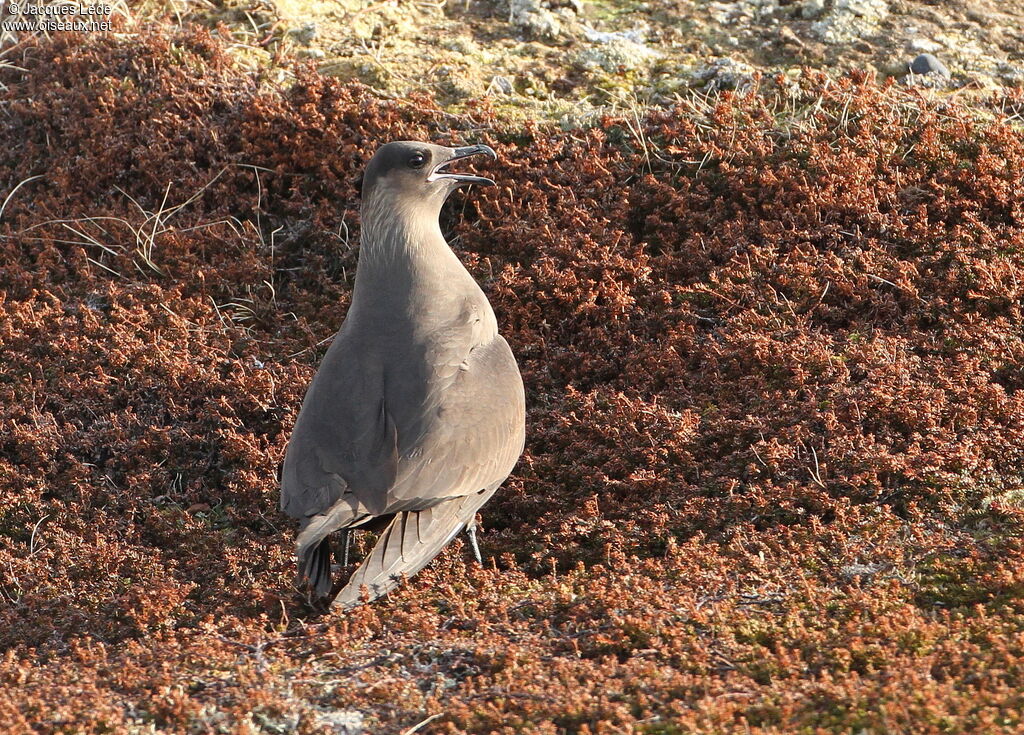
947 580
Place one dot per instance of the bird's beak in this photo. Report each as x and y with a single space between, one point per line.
461 179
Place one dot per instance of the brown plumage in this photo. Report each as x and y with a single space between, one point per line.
417 412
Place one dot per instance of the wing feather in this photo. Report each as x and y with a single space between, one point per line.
405 548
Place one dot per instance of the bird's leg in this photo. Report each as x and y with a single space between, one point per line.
471 532
347 545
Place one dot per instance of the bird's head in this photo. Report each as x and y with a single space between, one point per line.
417 173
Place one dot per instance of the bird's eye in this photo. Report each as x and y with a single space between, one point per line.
417 160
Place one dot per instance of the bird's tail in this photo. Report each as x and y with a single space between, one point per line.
407 545
315 567
313 549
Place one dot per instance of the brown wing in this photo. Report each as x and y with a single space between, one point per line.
345 439
400 435
469 435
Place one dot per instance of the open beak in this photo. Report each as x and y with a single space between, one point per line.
462 179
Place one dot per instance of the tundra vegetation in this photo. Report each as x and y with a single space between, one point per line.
772 346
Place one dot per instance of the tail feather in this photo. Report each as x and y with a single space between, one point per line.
409 543
314 551
315 566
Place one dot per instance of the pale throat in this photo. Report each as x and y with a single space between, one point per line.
391 229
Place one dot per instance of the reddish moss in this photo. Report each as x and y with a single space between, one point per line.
775 412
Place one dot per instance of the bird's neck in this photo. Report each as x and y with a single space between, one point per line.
406 267
398 233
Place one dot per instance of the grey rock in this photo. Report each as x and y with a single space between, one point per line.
621 50
928 64
304 34
723 74
535 18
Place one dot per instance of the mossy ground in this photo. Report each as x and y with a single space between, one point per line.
773 358
454 51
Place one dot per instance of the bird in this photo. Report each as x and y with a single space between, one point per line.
417 412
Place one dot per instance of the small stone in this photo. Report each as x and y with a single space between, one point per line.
928 64
304 34
927 72
500 85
